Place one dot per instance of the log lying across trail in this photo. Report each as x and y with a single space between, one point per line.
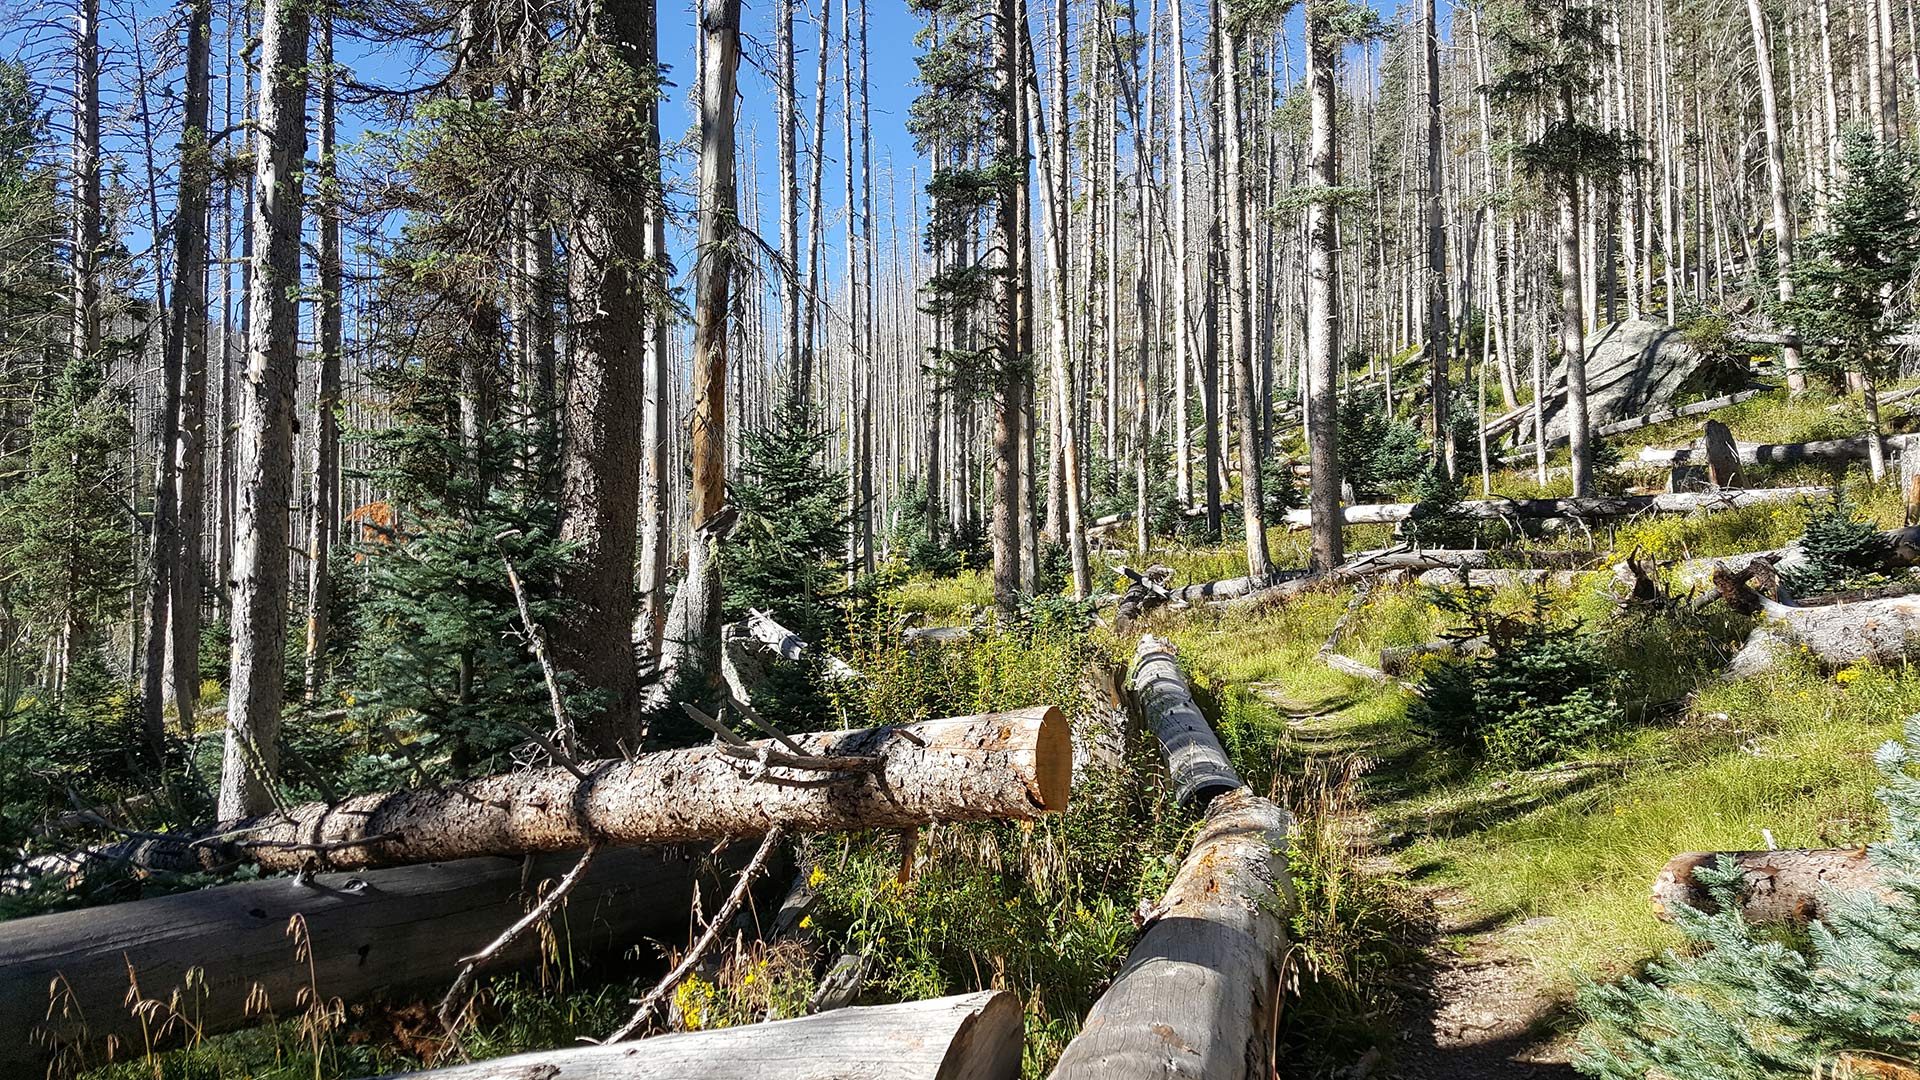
1199 992
998 765
1195 760
64 977
969 1037
1600 507
1791 885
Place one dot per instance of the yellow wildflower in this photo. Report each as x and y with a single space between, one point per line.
814 879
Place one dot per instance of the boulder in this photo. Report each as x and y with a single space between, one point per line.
1632 366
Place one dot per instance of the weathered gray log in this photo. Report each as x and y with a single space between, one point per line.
1791 885
64 978
1635 423
1752 453
1400 659
791 646
937 634
1347 665
1619 506
1198 994
1884 630
1195 759
1014 764
968 1037
1442 577
1900 548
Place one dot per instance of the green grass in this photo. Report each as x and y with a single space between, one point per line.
1577 850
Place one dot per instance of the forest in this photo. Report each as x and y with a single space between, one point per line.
1094 538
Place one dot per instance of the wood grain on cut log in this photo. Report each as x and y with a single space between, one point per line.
1014 764
1195 759
1600 507
968 1037
1791 885
1199 992
64 977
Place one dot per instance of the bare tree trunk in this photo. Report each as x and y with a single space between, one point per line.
787 118
1323 317
656 546
324 513
1572 330
1053 200
712 314
264 457
1008 376
190 314
1182 354
1438 317
815 180
1776 182
1251 504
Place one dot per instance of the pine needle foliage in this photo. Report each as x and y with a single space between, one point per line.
1841 549
789 552
1752 1004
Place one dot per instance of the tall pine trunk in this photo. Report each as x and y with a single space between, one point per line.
324 514
263 458
1323 317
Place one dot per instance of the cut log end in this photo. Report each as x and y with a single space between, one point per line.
1789 885
1053 761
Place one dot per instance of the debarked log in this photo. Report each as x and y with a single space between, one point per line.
1836 634
1014 764
1198 994
220 959
1589 508
968 1037
1751 453
1195 759
1791 885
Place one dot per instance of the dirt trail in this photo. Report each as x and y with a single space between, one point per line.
1476 1010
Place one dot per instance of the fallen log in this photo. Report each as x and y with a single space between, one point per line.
1791 885
1900 548
1400 660
1589 508
1442 578
968 1037
1753 453
218 959
1200 991
1837 634
1196 762
1635 423
1014 764
791 646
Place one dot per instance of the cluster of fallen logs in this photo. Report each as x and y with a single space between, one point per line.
384 903
87 985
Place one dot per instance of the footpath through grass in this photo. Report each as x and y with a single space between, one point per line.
1568 849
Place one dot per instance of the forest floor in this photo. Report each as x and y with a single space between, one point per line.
1474 1007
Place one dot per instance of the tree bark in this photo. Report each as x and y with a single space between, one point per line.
1009 372
1195 759
968 1037
972 768
1782 218
264 422
713 320
65 978
1791 885
1200 992
605 404
1239 345
1438 317
323 519
1323 318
